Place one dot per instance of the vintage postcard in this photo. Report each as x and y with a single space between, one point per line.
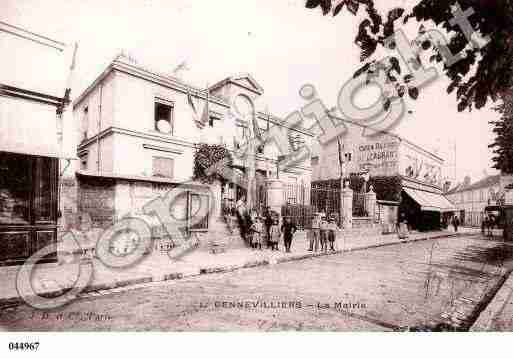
256 166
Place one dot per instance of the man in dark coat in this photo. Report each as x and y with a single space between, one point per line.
268 222
288 229
455 223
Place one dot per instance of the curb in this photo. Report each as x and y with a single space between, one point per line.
94 288
495 307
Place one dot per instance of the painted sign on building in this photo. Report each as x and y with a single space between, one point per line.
378 155
420 166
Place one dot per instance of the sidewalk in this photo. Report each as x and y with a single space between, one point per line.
498 314
55 278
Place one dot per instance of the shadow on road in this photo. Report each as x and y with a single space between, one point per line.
498 254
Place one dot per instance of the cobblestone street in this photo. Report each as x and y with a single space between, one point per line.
396 287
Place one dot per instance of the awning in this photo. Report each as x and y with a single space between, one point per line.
430 201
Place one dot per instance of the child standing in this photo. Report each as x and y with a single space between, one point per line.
332 233
324 234
275 234
258 235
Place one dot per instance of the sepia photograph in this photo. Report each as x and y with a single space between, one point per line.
255 166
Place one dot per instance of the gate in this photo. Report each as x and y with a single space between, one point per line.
325 197
297 204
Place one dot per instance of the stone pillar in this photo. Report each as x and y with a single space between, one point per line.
508 197
275 195
346 201
370 204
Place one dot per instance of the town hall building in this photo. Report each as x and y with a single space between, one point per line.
138 137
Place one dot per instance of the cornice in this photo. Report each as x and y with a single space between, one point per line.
144 135
31 36
151 76
11 91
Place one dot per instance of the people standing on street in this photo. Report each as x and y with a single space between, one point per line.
288 228
455 223
314 233
490 224
332 233
484 224
323 227
257 233
275 235
268 222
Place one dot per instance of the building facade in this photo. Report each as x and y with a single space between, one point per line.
471 199
385 155
35 134
138 137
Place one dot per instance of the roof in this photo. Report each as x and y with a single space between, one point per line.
244 80
484 183
122 63
386 132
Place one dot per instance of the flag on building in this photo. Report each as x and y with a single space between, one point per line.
196 119
205 116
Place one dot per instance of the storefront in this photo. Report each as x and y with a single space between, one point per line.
35 133
424 210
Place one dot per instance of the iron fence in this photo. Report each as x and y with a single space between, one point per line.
326 199
359 209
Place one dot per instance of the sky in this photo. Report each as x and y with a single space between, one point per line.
280 43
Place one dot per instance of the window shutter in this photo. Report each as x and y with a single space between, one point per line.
163 167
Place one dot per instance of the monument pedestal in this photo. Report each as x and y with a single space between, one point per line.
219 237
275 198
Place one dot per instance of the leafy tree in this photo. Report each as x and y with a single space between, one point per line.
206 157
503 129
485 73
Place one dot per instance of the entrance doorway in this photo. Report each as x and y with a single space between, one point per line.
28 206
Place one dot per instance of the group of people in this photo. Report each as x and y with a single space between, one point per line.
323 231
489 221
267 231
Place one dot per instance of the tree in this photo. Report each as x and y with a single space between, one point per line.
503 129
485 73
207 157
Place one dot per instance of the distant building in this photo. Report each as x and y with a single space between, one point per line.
471 198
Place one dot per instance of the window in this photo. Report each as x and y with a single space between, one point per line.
83 163
348 156
315 161
163 116
163 167
212 120
85 123
198 211
296 141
